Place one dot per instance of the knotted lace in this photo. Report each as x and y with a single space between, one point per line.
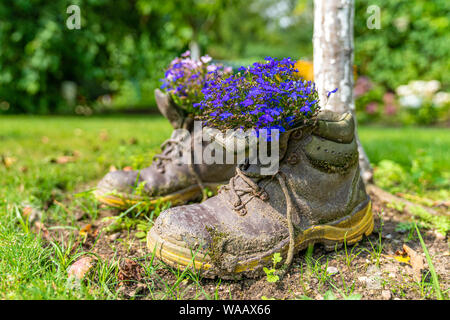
167 148
171 149
253 188
257 191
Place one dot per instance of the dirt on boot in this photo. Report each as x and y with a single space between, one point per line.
317 196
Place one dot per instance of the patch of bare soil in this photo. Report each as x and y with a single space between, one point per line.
362 271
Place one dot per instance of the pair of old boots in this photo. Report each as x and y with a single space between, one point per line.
316 196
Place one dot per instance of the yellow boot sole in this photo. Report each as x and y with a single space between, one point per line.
124 201
350 229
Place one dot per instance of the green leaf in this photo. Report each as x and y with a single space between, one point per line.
140 234
276 258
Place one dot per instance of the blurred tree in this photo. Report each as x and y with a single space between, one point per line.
123 47
252 30
39 53
412 43
125 54
189 21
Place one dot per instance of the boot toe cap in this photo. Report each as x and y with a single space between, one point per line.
200 225
186 224
118 181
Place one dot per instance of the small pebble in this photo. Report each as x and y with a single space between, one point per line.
373 280
373 283
332 270
362 279
114 236
386 295
439 236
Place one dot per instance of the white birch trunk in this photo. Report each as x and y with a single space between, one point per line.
195 50
333 62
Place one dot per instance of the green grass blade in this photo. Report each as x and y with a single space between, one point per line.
434 276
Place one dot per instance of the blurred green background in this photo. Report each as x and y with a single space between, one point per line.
113 63
117 58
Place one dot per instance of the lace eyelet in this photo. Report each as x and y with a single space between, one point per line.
292 159
161 170
297 134
242 212
264 196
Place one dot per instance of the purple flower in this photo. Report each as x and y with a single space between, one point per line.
265 118
330 92
225 115
186 80
305 109
261 96
247 102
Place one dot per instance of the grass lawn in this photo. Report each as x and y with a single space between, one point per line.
45 161
403 145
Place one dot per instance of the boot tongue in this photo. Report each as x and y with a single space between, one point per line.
180 144
171 111
238 143
270 165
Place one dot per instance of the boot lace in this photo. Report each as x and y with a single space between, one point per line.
171 149
257 191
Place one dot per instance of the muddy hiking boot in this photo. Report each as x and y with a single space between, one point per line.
317 196
167 179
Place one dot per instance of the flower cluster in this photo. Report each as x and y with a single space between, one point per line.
185 78
262 96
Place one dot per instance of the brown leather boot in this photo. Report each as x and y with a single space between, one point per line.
167 179
317 196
